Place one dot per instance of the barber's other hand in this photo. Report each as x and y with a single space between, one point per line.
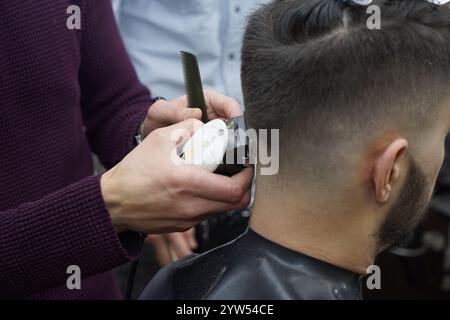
148 192
172 246
166 113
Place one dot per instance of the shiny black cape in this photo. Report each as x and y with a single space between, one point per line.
252 268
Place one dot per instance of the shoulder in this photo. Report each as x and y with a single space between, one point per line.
160 287
189 278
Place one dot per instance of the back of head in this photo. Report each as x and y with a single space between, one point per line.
314 70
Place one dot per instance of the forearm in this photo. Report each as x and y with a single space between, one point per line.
39 240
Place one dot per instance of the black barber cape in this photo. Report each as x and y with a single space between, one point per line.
252 268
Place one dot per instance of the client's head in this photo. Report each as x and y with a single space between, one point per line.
363 115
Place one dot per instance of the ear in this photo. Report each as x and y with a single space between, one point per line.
387 169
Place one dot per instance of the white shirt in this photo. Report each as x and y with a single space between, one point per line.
155 31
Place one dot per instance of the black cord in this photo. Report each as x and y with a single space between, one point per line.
131 278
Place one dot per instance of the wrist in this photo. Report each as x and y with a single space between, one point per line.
111 198
143 131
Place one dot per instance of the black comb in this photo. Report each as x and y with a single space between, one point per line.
193 84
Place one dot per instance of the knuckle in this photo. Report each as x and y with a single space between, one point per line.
179 181
175 183
160 104
236 193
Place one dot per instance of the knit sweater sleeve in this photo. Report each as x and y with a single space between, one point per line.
40 240
113 100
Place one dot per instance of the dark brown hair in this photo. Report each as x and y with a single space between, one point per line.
314 70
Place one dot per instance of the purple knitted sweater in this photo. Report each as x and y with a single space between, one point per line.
63 94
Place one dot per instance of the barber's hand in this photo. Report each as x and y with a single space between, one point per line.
148 192
172 246
166 113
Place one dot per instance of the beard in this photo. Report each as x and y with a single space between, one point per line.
409 210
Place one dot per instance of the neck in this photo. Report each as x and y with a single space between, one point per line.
331 235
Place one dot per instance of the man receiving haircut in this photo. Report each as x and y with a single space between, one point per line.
363 115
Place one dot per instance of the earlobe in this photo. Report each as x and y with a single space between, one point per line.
387 169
